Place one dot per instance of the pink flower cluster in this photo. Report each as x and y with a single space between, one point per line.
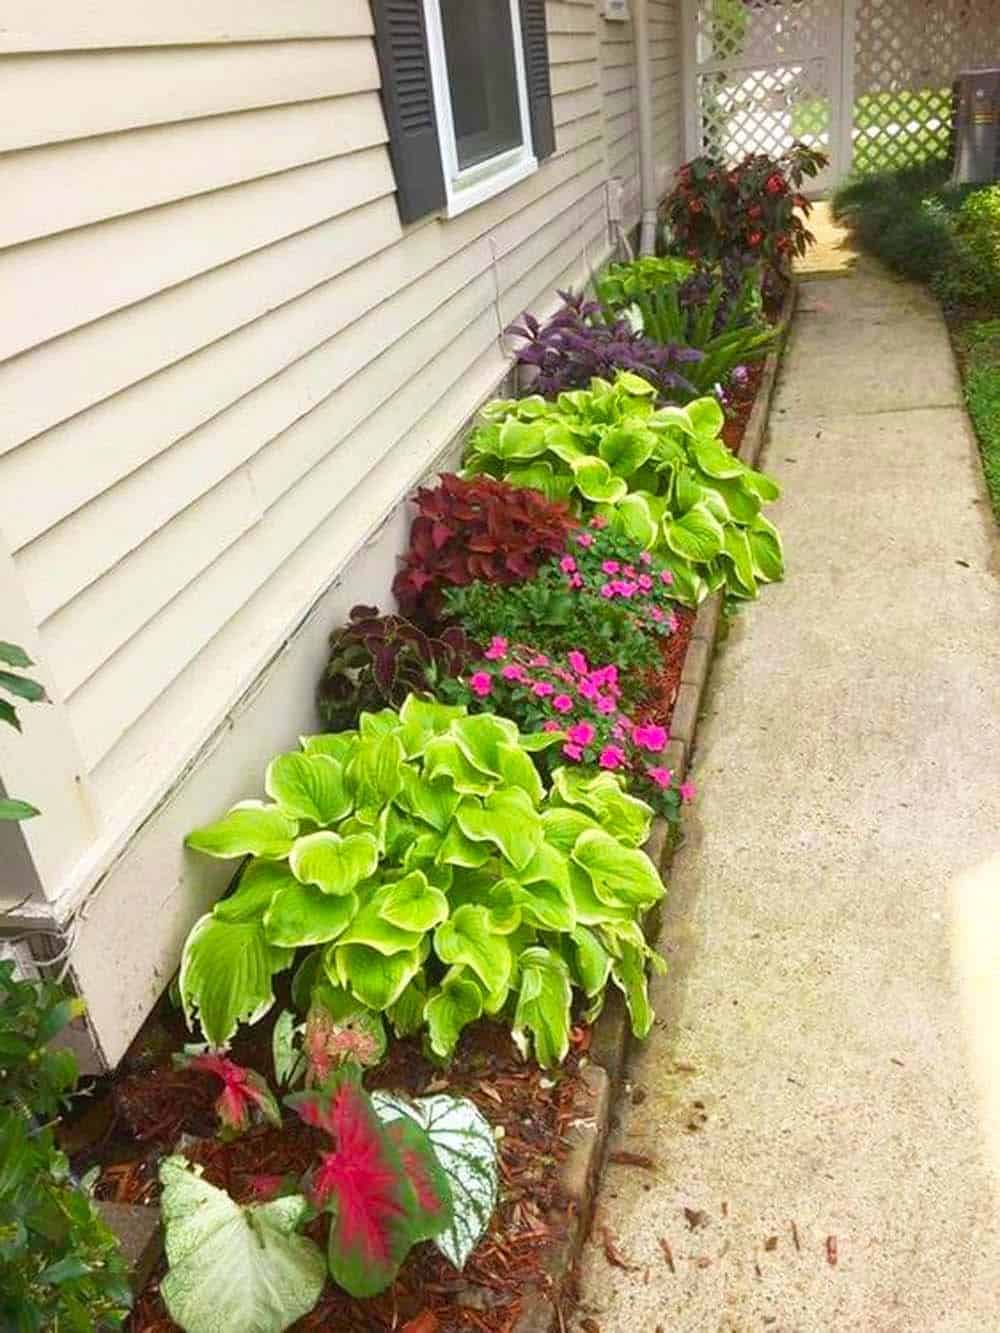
583 703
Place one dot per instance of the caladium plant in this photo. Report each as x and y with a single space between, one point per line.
382 1185
233 1269
397 1172
414 862
244 1096
661 475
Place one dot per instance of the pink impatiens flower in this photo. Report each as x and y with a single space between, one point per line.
605 704
578 662
646 558
551 725
657 614
567 564
576 581
598 522
538 660
666 576
584 539
589 690
515 672
572 751
542 688
497 648
628 571
661 776
651 737
612 756
687 792
645 582
582 733
608 590
610 566
562 703
481 682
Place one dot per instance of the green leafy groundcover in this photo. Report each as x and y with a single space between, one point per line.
662 476
432 879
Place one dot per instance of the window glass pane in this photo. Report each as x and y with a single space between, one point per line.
479 47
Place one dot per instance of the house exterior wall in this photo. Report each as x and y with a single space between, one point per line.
223 365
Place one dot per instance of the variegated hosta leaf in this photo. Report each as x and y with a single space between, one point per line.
334 864
258 884
480 737
508 819
622 876
233 1269
467 939
225 976
542 1017
309 786
249 829
464 1145
456 1003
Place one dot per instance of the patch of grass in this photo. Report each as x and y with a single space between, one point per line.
982 396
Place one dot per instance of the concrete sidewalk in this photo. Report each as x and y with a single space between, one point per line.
815 1086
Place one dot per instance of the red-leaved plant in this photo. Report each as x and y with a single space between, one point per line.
748 211
475 528
381 1184
245 1095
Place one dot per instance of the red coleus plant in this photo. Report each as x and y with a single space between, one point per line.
244 1095
382 1185
475 528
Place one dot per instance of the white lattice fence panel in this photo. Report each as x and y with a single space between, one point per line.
765 110
763 75
758 32
907 54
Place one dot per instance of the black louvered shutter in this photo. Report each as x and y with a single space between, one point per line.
408 100
536 65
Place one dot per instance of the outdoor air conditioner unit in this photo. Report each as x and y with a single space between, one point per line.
976 126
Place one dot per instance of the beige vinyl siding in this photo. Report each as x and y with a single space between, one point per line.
223 361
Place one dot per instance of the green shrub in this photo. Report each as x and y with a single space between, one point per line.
59 1264
433 879
661 476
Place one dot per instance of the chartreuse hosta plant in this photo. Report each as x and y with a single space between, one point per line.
661 475
427 876
397 1172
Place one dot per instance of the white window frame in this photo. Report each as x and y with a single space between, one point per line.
466 188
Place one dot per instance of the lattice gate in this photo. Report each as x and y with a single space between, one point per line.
868 81
762 73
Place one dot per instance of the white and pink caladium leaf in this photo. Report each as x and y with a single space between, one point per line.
384 1192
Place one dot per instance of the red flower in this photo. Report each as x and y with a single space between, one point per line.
754 239
754 211
775 185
